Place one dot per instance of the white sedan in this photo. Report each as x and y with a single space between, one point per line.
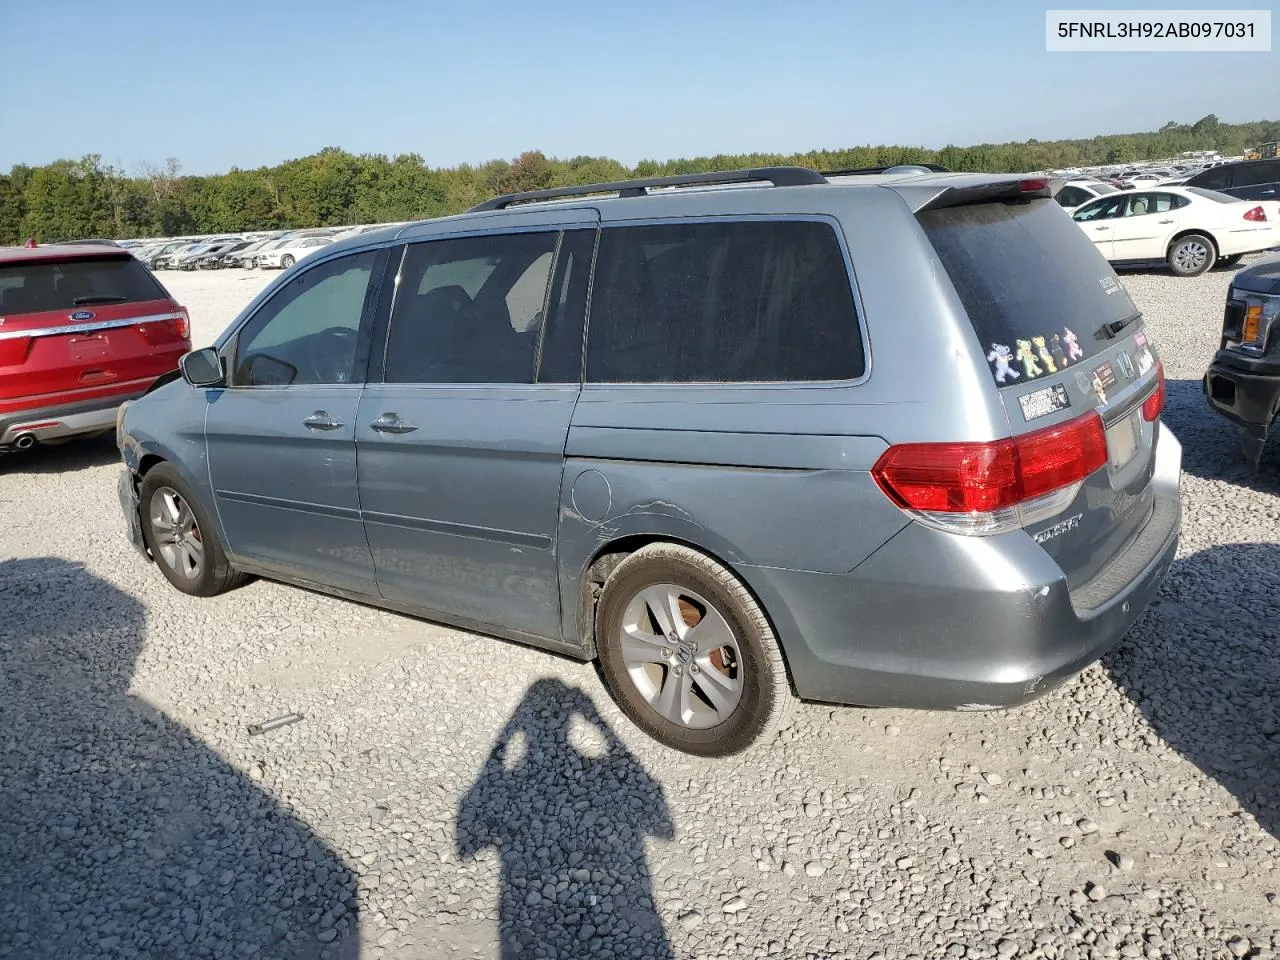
1189 228
287 255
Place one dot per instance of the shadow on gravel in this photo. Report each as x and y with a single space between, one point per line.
568 807
63 457
1211 442
121 833
1203 666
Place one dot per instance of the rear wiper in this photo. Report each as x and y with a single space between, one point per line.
1110 330
101 298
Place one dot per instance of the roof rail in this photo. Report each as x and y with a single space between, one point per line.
778 176
867 171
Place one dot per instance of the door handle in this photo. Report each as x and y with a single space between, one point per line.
1166 221
1102 228
321 421
391 423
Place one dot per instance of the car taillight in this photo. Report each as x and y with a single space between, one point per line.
1153 406
177 327
1256 215
988 488
1033 184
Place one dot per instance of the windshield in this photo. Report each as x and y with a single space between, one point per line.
1029 280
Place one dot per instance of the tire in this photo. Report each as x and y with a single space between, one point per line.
286 262
197 564
1230 261
1192 255
641 673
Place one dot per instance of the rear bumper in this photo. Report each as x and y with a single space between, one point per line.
1248 397
939 621
65 420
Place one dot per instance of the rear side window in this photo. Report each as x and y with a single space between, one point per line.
1217 178
1252 174
33 287
744 301
1035 289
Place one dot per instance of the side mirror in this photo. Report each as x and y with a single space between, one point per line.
202 368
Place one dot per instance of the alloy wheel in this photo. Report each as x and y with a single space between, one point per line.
176 533
682 656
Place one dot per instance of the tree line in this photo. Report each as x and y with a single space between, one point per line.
71 199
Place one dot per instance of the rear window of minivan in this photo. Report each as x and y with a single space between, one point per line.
1030 281
28 286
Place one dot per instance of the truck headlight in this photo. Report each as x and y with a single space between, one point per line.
1256 320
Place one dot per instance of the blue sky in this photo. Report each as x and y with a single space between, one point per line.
230 83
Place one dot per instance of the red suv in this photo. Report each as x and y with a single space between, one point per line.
82 329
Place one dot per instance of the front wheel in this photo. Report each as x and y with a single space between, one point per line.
181 536
688 654
1192 255
286 262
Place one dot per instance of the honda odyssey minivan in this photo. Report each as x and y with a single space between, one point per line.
889 438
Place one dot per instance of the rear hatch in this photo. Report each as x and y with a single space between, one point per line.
1062 338
79 327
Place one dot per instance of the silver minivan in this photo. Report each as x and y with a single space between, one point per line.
889 438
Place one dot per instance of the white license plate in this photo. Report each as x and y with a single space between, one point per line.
1122 440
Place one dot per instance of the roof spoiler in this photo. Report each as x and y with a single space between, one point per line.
922 197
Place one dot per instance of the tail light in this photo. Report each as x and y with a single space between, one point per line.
982 489
178 327
1256 215
1153 406
1033 184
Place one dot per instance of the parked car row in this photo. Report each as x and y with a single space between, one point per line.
247 251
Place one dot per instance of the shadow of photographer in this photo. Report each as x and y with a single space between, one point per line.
568 807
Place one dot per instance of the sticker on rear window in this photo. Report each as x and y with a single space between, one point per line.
1002 357
1042 352
1041 403
1027 357
1109 284
1074 352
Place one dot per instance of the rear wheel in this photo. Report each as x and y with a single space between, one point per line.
181 536
286 262
688 653
1191 255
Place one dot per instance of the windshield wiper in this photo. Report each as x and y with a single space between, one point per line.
100 298
1111 330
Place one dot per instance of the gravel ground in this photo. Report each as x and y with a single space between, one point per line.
452 795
